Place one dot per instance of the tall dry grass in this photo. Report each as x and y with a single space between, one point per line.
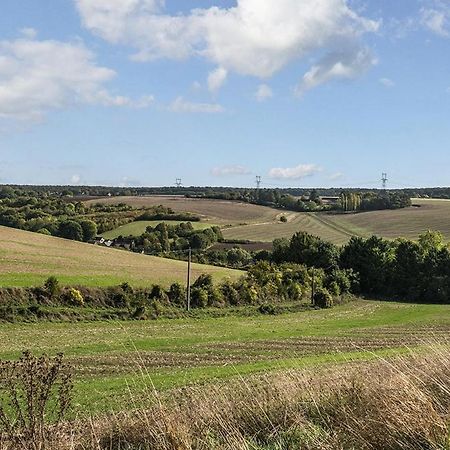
400 403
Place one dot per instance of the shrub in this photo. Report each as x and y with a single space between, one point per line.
230 293
323 299
36 395
267 308
283 219
177 294
158 293
199 297
75 297
51 285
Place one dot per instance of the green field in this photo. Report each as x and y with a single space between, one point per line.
27 259
139 227
116 359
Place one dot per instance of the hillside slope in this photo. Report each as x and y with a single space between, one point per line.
27 259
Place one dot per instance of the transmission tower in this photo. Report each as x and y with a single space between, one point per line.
178 182
384 180
258 181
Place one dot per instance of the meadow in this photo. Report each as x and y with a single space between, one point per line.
243 221
137 228
338 228
116 360
28 259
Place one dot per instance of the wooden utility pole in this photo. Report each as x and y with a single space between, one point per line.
313 286
188 288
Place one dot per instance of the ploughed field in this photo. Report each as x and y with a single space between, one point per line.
28 259
242 221
114 361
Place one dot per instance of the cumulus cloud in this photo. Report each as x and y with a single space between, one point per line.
216 79
437 18
257 38
345 64
263 93
294 173
75 179
180 105
230 170
387 82
39 76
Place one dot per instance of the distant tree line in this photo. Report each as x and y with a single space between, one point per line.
37 210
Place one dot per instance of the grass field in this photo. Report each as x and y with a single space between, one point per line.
259 223
139 227
27 259
111 357
221 212
338 228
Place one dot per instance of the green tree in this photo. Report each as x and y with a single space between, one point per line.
89 229
69 229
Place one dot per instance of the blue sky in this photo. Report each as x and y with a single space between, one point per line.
303 93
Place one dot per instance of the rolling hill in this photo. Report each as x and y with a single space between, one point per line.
27 259
260 223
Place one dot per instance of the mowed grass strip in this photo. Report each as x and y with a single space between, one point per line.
111 357
137 228
27 259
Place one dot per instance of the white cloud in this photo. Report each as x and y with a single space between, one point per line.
387 82
180 105
39 76
257 38
75 179
294 173
230 170
437 18
29 33
345 64
216 79
263 93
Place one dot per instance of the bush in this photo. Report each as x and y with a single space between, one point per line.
199 297
36 394
51 285
268 309
75 297
323 299
283 219
177 294
230 294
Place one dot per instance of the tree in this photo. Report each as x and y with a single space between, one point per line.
69 229
89 229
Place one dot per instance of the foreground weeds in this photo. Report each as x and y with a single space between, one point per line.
401 403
